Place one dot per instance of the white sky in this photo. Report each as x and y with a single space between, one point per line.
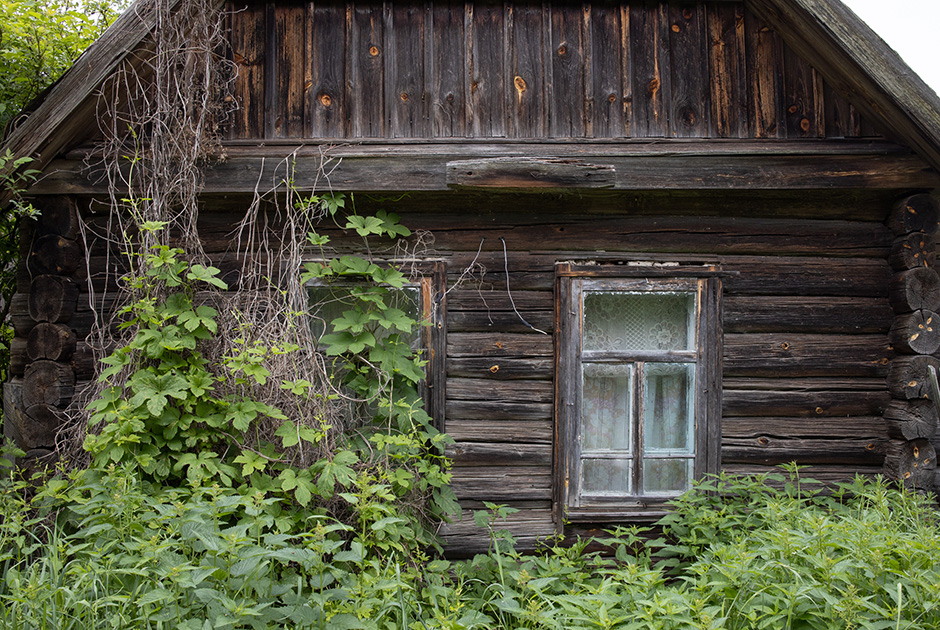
910 27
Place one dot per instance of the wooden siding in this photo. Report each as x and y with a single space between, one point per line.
523 70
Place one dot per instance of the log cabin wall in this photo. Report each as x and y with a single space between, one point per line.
524 70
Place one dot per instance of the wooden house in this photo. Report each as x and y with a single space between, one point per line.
707 229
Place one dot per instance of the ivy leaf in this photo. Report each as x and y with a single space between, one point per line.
207 275
364 226
397 319
333 203
391 225
202 316
317 240
353 320
345 342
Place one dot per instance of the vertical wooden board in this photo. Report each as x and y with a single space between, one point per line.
764 69
326 62
610 63
649 44
447 70
727 70
247 39
570 110
527 93
842 120
804 112
690 109
486 67
289 20
406 100
365 97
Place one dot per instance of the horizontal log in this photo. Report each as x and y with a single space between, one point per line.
501 368
805 355
917 213
495 410
492 277
803 404
914 290
499 321
825 474
488 390
913 251
499 454
529 173
911 419
849 277
865 428
510 430
774 450
499 345
636 167
748 314
528 526
916 333
498 484
495 300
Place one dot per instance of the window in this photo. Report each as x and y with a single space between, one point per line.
638 386
421 299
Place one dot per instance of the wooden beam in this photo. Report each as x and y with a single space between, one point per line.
627 166
861 66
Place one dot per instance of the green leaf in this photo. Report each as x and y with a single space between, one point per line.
207 275
364 226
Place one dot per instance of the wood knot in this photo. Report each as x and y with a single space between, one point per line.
804 124
785 345
520 84
819 411
687 13
403 96
612 98
494 369
916 452
676 28
870 446
562 50
793 109
653 86
499 344
325 99
763 441
374 51
907 474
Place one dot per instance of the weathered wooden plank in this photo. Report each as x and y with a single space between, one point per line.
806 355
842 119
764 63
522 173
406 98
570 46
504 322
498 345
802 98
473 410
498 300
500 430
448 75
247 42
727 70
528 527
690 107
649 53
289 69
475 389
743 314
501 368
864 427
326 55
365 97
810 403
850 277
498 454
527 96
502 483
612 92
773 450
824 474
487 58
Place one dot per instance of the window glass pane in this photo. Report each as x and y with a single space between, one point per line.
329 302
666 476
606 407
606 476
617 322
668 408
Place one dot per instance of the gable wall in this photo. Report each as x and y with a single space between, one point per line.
513 70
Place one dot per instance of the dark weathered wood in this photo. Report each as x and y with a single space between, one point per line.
501 368
916 333
912 251
802 94
365 97
247 42
50 341
499 391
493 483
522 173
496 410
58 216
496 300
915 289
569 48
908 377
774 450
743 314
486 67
764 55
911 462
39 426
649 42
842 119
52 299
807 276
806 355
532 523
514 430
55 255
611 87
448 75
804 398
726 60
857 427
405 93
689 107
289 50
498 454
49 383
325 105
917 213
911 419
498 345
502 321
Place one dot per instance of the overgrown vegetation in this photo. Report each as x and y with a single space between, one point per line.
103 549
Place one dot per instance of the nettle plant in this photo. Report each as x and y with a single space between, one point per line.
173 414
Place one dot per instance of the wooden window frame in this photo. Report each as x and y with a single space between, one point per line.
430 277
704 281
